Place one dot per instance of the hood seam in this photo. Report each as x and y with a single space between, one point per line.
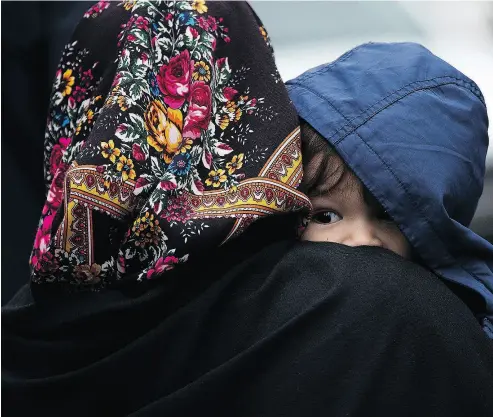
433 84
474 88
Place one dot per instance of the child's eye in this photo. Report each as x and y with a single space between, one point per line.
326 217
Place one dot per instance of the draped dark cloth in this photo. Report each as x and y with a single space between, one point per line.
295 329
29 60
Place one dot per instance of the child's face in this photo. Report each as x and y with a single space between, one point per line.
344 212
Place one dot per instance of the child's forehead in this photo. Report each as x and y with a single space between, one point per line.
337 181
326 173
334 179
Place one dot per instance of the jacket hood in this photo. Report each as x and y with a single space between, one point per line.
415 131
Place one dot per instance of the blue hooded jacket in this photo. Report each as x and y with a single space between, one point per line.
415 131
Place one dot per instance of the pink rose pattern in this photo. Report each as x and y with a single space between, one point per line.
162 265
174 79
171 125
97 9
199 110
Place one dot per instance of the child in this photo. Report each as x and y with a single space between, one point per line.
339 199
412 131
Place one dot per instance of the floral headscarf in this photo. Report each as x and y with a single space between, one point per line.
169 132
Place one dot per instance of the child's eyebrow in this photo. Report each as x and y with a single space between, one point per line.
327 179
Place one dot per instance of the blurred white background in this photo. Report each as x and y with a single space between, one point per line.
309 33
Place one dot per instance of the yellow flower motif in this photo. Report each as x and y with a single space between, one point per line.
164 127
69 82
147 218
263 33
129 4
236 163
199 6
122 101
231 106
201 72
78 129
234 111
147 229
186 145
216 178
90 115
238 114
144 222
109 151
126 167
223 122
98 98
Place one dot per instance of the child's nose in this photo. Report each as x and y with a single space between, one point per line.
362 234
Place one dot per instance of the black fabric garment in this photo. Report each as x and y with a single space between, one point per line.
33 36
295 329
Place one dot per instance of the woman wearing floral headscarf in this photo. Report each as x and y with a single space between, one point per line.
152 293
161 141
